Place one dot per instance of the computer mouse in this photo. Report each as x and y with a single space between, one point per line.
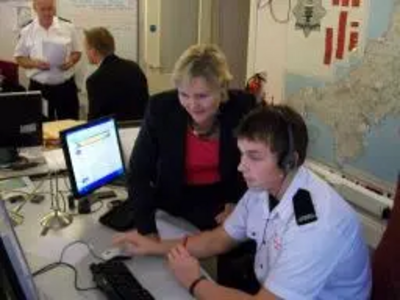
115 253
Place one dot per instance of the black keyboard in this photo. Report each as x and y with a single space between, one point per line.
117 282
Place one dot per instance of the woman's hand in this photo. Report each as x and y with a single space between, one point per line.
221 217
185 267
137 244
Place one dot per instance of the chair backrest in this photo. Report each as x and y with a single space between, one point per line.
10 71
386 259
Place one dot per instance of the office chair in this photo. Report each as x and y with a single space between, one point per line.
386 259
10 82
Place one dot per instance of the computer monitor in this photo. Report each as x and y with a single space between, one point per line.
9 72
93 155
21 117
16 282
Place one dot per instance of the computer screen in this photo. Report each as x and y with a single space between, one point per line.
21 117
20 124
93 155
16 282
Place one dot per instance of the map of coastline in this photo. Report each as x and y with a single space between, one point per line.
355 105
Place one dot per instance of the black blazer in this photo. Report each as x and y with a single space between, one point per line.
157 164
118 87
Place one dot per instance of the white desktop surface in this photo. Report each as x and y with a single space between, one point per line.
40 169
152 272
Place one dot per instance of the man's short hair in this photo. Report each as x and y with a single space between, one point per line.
100 39
281 128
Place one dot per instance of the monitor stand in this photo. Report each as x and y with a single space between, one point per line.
9 159
16 218
8 156
56 219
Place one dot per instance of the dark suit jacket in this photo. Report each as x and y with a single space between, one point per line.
156 169
118 87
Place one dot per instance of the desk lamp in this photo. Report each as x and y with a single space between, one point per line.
57 218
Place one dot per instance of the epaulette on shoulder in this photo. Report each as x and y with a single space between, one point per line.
304 209
65 20
26 24
23 28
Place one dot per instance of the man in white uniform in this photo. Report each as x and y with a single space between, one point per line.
48 48
309 240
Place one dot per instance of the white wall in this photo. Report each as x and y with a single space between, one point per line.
9 34
171 45
232 36
267 46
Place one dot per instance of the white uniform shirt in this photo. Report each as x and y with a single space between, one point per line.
30 44
326 259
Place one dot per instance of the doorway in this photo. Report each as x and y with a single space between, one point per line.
168 27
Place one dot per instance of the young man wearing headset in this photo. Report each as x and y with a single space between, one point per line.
309 240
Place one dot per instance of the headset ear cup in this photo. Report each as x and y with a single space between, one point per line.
290 163
286 164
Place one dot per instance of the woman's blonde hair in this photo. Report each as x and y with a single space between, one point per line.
206 61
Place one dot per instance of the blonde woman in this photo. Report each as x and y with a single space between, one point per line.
185 158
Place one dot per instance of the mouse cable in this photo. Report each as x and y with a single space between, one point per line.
60 263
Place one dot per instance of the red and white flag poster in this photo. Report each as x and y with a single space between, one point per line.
342 35
346 36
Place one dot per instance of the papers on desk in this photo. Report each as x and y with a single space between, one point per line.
51 130
17 183
55 160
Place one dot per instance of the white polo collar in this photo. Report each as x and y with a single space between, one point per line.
54 24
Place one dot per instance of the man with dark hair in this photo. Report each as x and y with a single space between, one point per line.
309 240
118 87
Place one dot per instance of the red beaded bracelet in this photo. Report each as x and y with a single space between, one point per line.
185 241
195 283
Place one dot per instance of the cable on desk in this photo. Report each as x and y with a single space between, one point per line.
60 262
63 201
45 269
90 248
66 183
64 264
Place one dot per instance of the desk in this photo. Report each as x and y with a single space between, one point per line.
58 283
34 154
